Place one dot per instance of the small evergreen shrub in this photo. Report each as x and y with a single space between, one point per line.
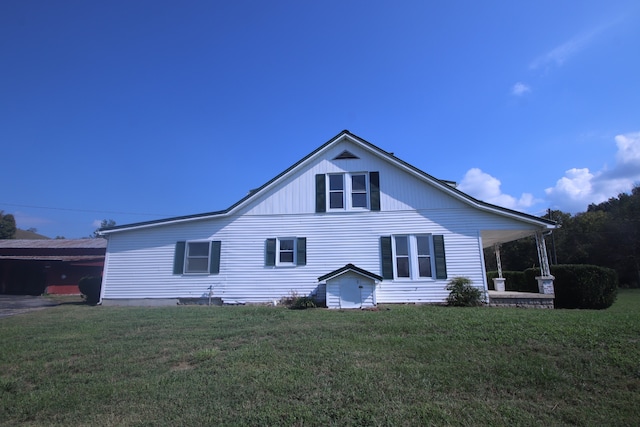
463 294
90 289
581 285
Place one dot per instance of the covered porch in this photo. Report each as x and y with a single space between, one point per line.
544 298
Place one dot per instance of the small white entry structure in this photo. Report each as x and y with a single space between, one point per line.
350 287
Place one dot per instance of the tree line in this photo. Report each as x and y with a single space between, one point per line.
606 235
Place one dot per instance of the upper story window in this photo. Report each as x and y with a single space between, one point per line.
336 191
359 191
348 191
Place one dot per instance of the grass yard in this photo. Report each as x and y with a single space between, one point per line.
401 365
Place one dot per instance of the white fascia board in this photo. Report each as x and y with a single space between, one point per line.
457 194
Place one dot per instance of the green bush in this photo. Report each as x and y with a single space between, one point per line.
90 289
580 285
296 301
515 281
463 294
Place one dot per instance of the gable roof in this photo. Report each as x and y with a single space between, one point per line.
445 186
347 268
71 250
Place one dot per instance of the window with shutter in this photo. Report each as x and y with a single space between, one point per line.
197 257
348 191
286 252
413 257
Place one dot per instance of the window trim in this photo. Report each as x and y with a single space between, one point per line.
293 251
180 259
273 251
188 244
348 192
413 257
331 191
367 191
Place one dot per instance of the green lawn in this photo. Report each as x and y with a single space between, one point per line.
401 365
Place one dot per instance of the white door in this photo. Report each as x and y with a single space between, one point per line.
350 292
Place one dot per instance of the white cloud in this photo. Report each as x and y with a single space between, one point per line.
560 54
520 89
485 187
97 223
580 187
628 149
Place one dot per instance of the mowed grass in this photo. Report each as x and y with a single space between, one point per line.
401 365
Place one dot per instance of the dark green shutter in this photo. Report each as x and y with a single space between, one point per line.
214 257
438 252
178 258
374 184
387 257
321 193
301 251
270 254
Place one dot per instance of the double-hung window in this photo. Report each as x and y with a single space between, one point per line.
359 191
197 257
413 257
423 253
336 191
286 251
348 191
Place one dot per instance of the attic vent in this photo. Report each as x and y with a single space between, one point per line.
346 155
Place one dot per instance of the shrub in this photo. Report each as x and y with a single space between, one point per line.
581 285
90 289
295 301
463 294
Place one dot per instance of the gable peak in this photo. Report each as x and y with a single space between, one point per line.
346 154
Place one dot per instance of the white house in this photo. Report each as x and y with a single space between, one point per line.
350 223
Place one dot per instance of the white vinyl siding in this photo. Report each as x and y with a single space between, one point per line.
140 262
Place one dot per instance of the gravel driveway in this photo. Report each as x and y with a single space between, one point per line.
17 304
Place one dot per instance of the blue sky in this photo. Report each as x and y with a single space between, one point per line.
139 110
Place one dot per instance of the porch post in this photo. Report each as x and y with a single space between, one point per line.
545 280
498 282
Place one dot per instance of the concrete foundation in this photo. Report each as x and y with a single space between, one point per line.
521 299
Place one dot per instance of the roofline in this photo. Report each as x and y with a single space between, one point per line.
350 267
442 184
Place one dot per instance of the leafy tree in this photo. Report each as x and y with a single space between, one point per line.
104 223
7 226
606 235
